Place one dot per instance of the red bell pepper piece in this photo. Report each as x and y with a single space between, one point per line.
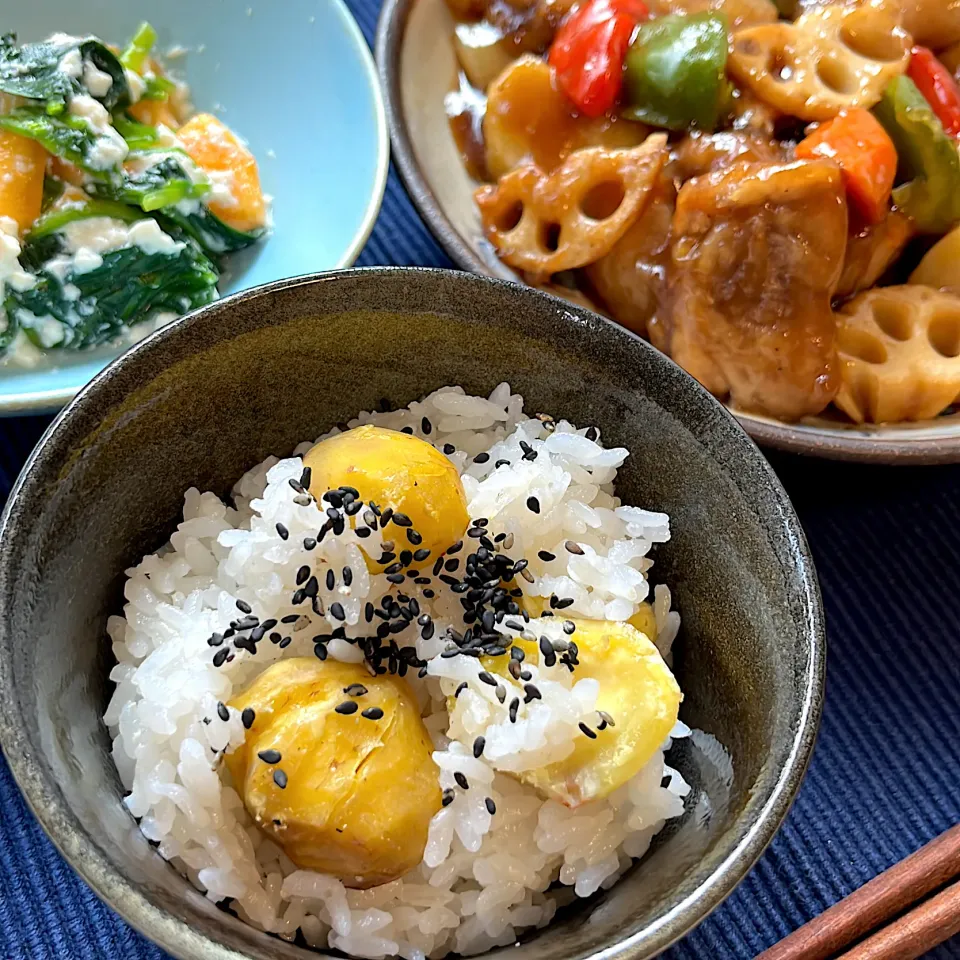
856 140
589 49
938 87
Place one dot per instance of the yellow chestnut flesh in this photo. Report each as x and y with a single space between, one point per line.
399 471
360 792
637 690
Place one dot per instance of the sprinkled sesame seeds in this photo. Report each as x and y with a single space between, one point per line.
402 520
514 707
533 504
222 712
347 573
481 458
447 797
486 678
319 650
346 708
460 689
449 448
414 537
586 731
569 627
546 556
306 477
426 426
421 554
478 746
336 611
282 532
372 713
490 805
462 781
220 656
244 607
247 717
573 547
270 756
532 693
280 779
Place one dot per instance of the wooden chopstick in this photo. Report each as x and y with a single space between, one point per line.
915 932
887 896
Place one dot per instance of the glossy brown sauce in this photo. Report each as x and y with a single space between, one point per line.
465 108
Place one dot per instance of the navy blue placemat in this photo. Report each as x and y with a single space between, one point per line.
885 777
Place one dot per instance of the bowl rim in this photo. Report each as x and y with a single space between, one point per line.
863 446
50 401
736 850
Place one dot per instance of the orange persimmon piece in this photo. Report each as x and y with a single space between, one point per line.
22 165
866 155
153 113
217 150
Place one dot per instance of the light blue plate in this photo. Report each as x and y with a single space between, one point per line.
294 78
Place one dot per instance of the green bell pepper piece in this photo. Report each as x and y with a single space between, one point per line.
928 159
674 72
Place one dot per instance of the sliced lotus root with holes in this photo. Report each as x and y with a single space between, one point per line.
830 59
544 223
900 354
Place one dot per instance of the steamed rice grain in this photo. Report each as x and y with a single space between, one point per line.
485 876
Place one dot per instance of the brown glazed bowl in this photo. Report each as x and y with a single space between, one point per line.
215 392
418 67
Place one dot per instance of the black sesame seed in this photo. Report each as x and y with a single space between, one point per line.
460 689
574 548
421 554
546 556
347 576
532 693
449 448
414 537
282 532
429 594
372 713
355 690
244 607
562 604
481 458
222 712
533 504
476 532
296 485
319 650
220 656
478 746
347 707
396 578
402 520
514 707
280 779
490 805
461 780
336 611
545 647
447 797
591 433
215 640
247 717
305 477
425 426
362 532
270 756
302 574
587 732
513 668
486 678
517 653
406 558
407 430
290 618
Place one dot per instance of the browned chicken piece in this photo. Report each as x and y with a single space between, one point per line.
700 153
631 278
871 251
756 257
752 115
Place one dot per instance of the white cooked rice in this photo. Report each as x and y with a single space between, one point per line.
483 878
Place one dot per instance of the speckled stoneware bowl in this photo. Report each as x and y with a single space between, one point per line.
418 67
199 402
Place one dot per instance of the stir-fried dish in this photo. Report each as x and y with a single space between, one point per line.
116 205
769 192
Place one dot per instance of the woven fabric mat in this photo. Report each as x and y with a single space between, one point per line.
885 777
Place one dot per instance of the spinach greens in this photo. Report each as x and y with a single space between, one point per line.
162 184
96 306
33 70
64 136
196 221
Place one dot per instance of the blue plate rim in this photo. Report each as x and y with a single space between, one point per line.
49 401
